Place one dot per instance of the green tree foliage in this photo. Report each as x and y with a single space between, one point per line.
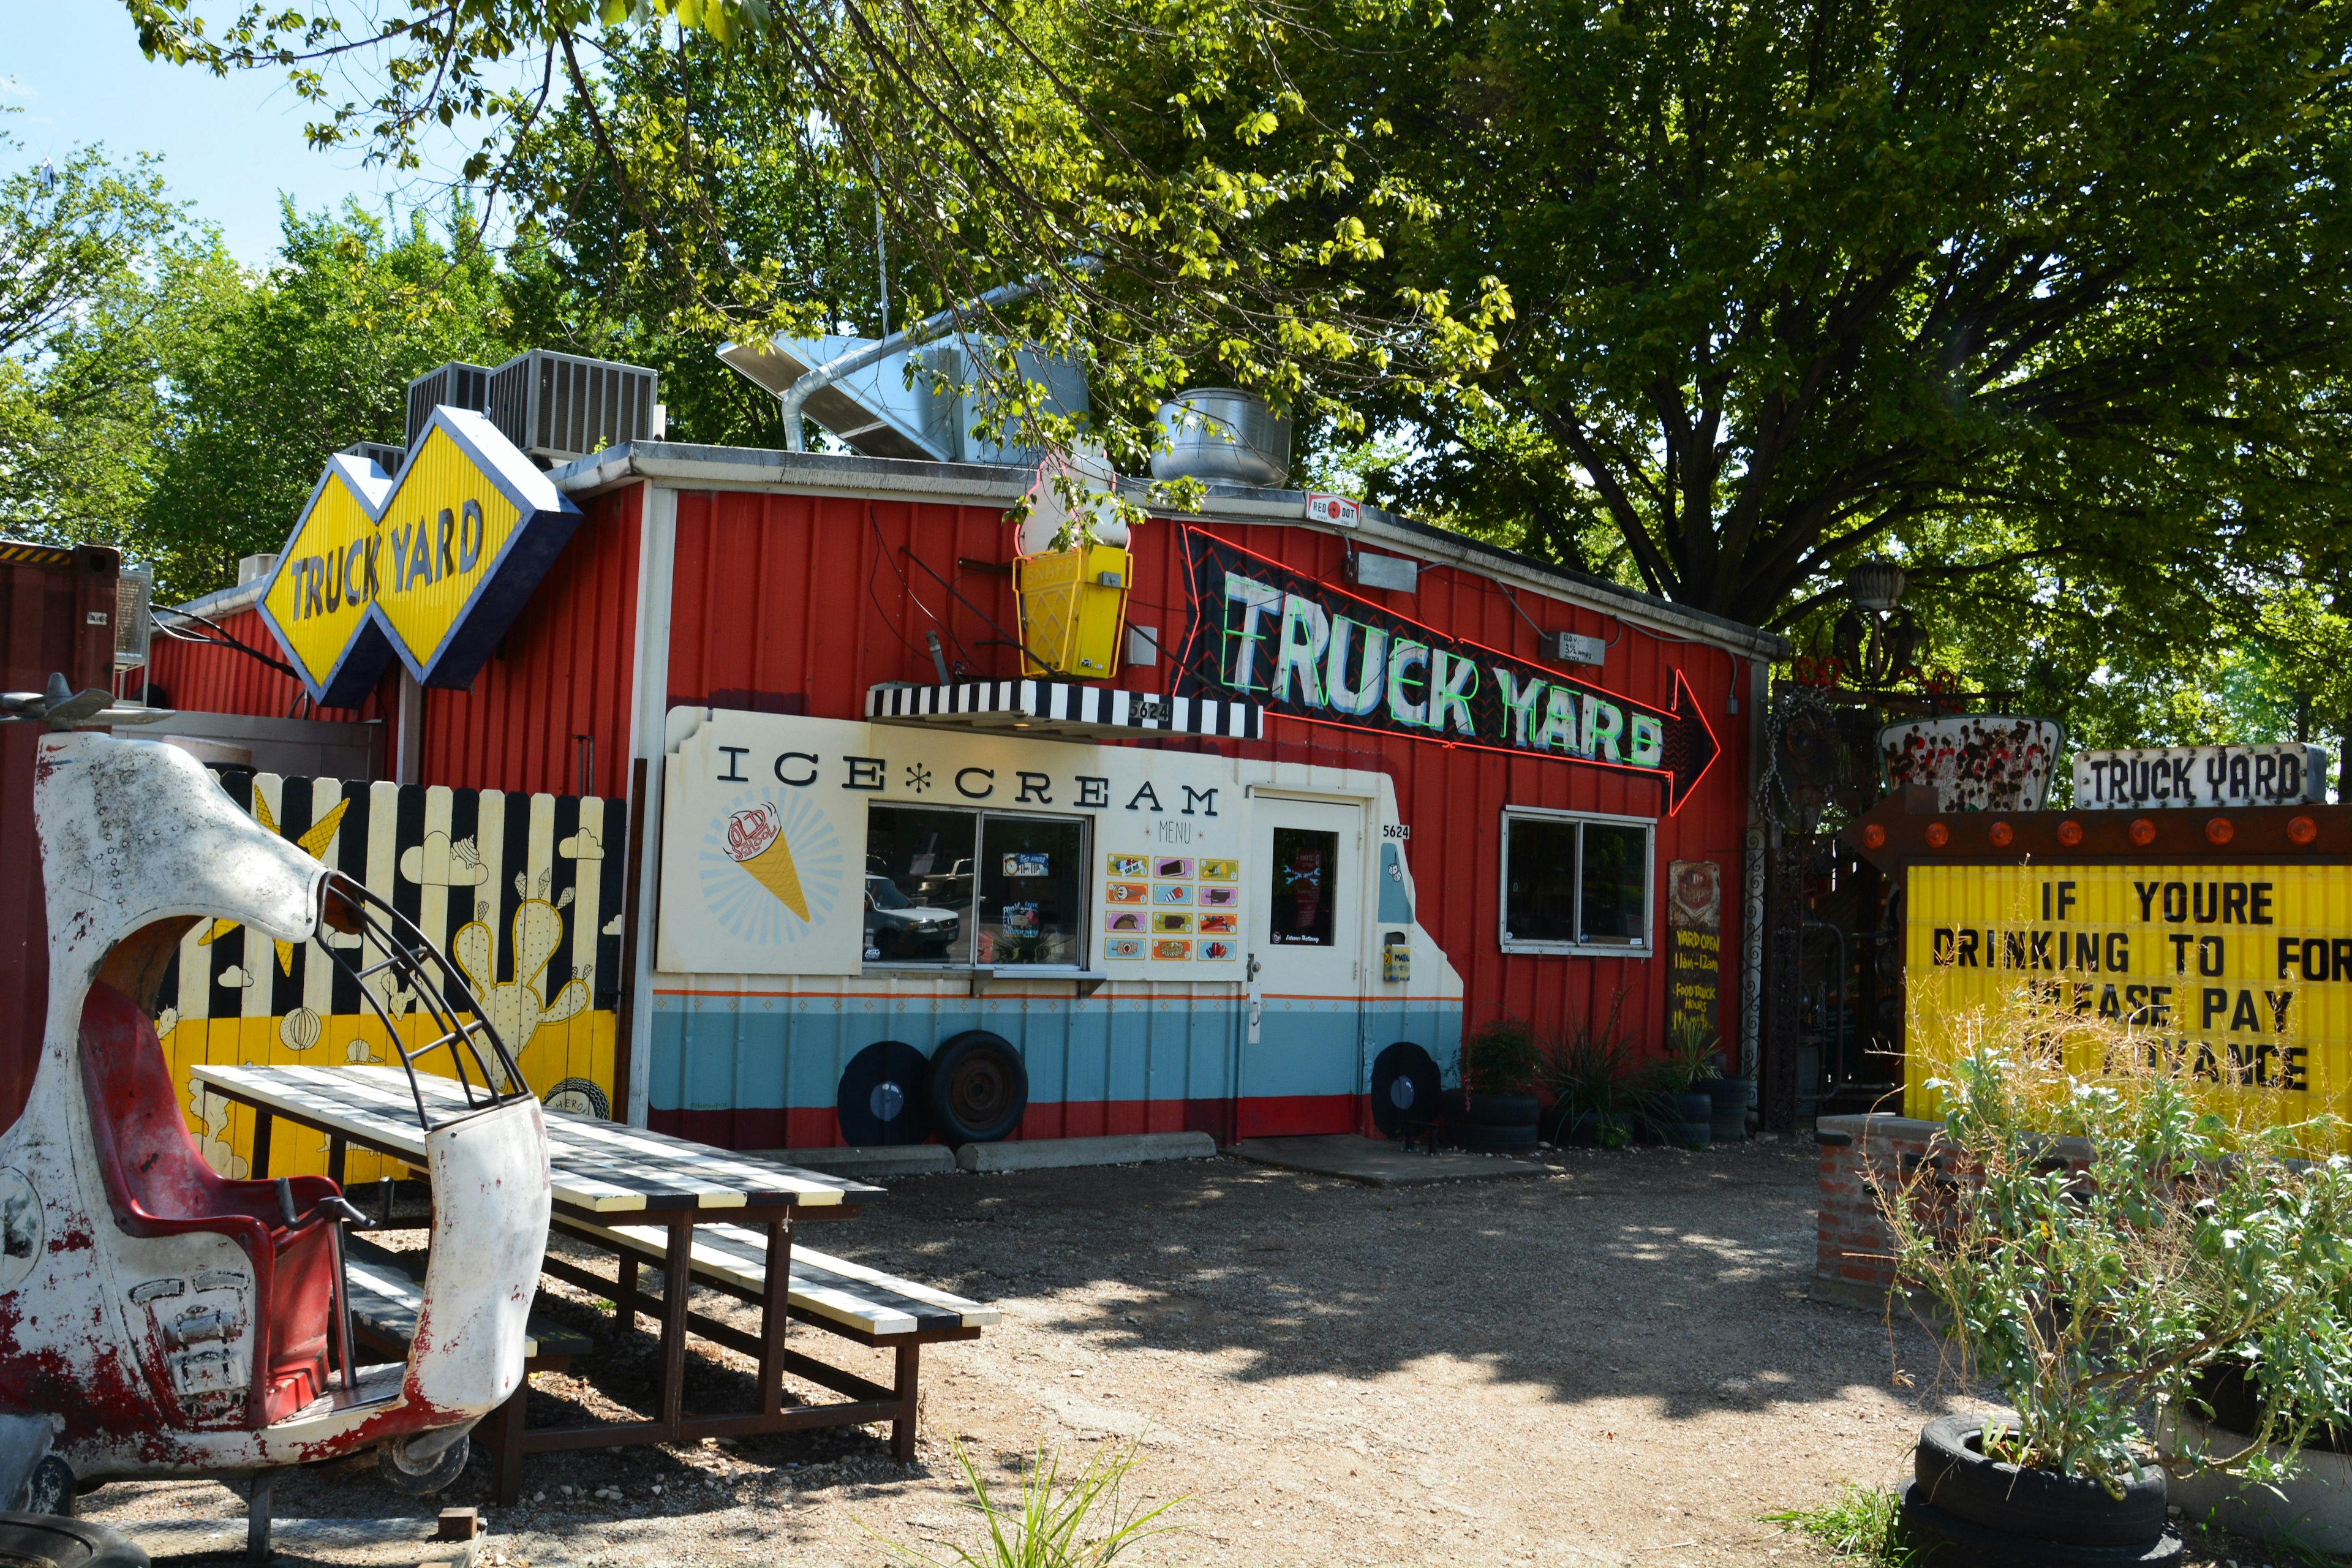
298 363
1002 149
79 324
2006 280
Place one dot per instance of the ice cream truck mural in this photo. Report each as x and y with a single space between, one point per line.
905 933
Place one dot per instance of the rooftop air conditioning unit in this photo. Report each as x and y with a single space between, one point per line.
382 454
559 406
134 589
456 383
1218 434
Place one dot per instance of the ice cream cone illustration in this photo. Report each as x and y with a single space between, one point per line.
755 841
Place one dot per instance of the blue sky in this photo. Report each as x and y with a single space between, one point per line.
74 68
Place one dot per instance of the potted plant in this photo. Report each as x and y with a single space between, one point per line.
1670 1108
1729 1097
1585 1075
1494 1108
2089 1281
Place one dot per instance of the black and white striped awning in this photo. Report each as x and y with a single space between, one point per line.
1062 709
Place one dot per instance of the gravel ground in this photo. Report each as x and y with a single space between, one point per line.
1615 1363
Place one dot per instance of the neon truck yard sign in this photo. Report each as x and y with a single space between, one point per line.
1306 650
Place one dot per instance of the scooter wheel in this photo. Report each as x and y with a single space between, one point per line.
50 1540
444 1468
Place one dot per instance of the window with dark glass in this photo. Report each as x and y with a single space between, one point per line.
1032 891
966 886
919 884
1613 884
1575 882
1306 888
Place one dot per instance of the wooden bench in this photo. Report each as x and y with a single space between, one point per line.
387 1290
856 1302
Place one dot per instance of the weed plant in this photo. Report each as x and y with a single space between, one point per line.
1859 1521
1082 1519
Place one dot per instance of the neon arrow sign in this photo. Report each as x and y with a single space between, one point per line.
1306 650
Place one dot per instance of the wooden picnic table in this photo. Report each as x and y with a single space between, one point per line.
605 1174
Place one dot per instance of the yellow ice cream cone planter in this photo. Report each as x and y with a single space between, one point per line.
1073 610
755 841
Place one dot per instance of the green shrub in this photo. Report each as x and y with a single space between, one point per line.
1584 1072
2193 1242
1500 1057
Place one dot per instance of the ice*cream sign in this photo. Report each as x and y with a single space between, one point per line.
429 566
1306 650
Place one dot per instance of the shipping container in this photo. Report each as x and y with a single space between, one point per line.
57 617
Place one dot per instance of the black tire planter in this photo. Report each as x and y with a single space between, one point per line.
58 1542
1687 1119
1499 1110
1962 1510
2236 1405
1480 1140
1727 1100
1490 1124
978 1089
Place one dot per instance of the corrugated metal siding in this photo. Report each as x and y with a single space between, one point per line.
566 670
197 678
44 627
797 604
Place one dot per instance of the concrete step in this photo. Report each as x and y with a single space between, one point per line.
1060 1153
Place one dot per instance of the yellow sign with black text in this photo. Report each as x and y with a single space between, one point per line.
2242 976
430 566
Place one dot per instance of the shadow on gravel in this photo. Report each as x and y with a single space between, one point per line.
1675 1276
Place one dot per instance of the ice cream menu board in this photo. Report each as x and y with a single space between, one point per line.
1171 908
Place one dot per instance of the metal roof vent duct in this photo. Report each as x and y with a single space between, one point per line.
1219 434
382 454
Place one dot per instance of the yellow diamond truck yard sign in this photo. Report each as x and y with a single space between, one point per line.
430 565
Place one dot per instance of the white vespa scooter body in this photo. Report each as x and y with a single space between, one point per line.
160 1317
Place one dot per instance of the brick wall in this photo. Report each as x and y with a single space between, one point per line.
1853 1259
1851 1253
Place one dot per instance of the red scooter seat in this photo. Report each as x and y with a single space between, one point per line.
158 1185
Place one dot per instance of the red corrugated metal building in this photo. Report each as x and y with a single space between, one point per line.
790 583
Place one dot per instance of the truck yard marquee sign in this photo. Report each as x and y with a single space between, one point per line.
2242 976
2199 776
1303 650
432 566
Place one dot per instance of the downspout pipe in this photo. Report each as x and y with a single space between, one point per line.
796 396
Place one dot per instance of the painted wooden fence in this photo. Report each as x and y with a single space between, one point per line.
522 891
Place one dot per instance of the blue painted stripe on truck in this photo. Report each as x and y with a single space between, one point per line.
719 1052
